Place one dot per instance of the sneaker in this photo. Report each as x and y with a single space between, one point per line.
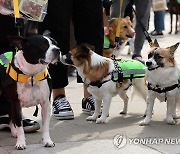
29 125
88 105
4 122
61 108
138 58
155 33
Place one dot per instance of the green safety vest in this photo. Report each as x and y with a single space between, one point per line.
131 68
5 58
106 42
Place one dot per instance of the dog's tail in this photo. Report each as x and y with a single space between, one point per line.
139 88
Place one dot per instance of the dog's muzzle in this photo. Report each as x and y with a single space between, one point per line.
66 59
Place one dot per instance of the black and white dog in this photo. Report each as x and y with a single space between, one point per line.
25 82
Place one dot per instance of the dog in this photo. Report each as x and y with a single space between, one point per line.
26 82
163 81
126 32
173 8
105 80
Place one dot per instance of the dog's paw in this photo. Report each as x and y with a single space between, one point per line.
143 123
49 143
91 118
101 120
123 112
171 121
20 145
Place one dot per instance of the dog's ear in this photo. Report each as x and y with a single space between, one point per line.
127 17
84 50
173 48
156 44
17 41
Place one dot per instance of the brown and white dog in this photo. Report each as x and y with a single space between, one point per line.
25 82
97 71
126 32
163 81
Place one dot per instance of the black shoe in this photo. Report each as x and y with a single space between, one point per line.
62 109
29 125
4 122
155 33
88 105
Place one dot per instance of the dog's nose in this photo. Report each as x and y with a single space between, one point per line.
148 63
132 34
66 59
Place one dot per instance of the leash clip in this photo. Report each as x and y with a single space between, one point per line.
31 80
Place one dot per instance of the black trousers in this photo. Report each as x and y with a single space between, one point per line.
88 28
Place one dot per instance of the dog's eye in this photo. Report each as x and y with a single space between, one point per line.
157 56
125 27
150 55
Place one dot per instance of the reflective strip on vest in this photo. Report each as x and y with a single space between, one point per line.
5 58
131 68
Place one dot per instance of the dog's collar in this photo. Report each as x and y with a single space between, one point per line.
150 69
25 78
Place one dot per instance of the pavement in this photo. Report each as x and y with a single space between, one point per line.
121 134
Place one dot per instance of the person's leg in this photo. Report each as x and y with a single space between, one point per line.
57 21
115 8
158 22
88 28
143 13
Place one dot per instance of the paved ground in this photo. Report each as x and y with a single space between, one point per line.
79 136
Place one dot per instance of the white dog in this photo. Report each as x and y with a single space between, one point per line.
163 81
26 83
106 80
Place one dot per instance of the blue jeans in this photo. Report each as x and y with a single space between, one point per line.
159 20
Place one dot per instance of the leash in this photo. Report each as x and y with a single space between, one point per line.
143 29
119 25
18 21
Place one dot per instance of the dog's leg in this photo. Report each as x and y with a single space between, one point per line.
149 109
176 28
170 112
13 129
105 109
98 103
125 99
171 18
21 141
46 109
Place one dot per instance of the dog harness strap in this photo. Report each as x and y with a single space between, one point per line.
98 83
117 70
162 90
25 78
